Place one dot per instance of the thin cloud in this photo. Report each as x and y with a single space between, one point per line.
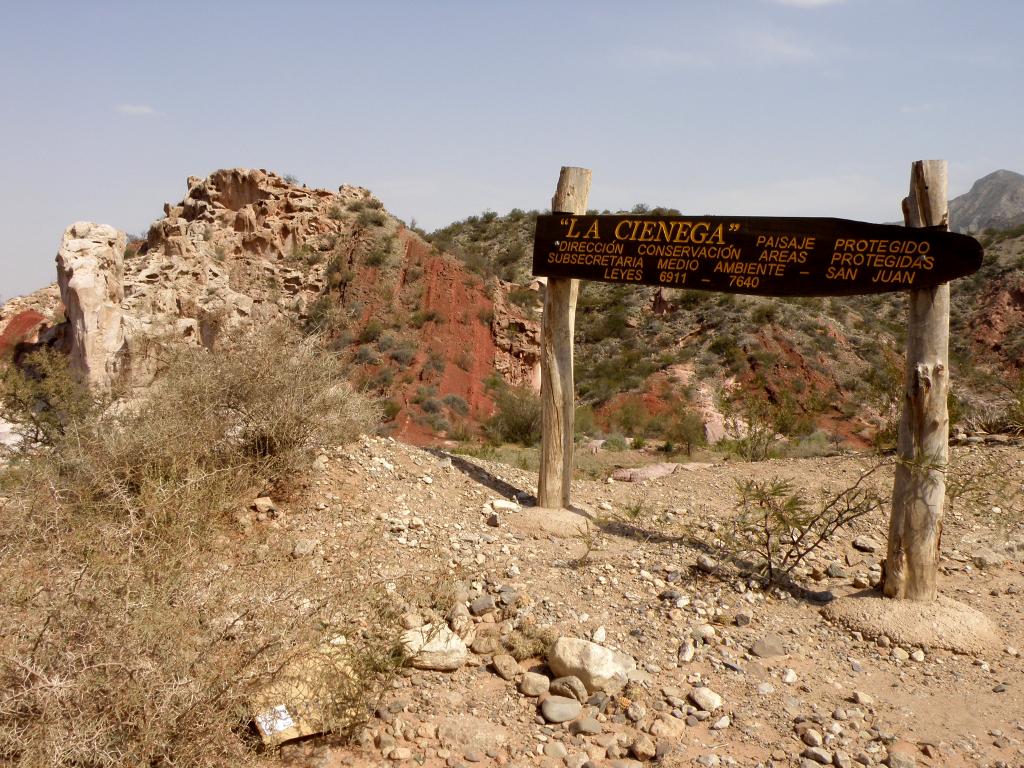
914 109
660 58
775 47
135 110
807 3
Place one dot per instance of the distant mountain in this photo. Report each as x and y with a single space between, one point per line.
995 201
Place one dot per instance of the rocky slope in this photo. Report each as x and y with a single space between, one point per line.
831 364
668 653
994 202
433 334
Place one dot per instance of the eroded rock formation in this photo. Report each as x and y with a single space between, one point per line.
90 274
245 248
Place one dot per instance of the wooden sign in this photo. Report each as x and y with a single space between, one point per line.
751 254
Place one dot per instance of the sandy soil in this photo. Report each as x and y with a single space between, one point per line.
636 583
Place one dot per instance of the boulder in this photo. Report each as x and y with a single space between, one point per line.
599 668
705 699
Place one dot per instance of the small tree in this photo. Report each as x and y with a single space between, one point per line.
752 418
42 399
777 527
517 419
686 429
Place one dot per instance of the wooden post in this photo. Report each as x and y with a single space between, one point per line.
557 392
919 489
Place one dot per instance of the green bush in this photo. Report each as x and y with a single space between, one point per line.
325 315
524 297
423 392
456 404
371 332
381 252
775 526
753 419
584 421
421 317
686 428
404 354
615 443
517 419
366 356
337 272
43 400
372 217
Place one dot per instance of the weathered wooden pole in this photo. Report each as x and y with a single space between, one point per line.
919 489
557 393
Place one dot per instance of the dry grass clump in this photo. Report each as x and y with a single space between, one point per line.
138 622
528 641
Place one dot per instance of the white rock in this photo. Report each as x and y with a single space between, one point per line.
789 676
434 646
705 699
721 723
90 273
686 651
600 668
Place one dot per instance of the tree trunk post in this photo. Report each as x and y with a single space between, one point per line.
557 392
919 488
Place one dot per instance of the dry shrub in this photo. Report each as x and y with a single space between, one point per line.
137 618
529 641
278 394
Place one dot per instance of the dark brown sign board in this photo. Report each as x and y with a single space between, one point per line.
751 254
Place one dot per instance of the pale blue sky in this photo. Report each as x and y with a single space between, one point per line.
445 109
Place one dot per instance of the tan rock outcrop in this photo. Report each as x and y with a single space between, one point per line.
90 273
245 248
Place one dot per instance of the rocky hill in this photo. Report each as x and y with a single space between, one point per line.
995 202
437 325
245 248
830 364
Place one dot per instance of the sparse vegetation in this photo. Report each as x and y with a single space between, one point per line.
775 526
136 627
517 419
371 217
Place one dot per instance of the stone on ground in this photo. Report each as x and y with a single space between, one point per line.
560 709
705 699
599 668
435 647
